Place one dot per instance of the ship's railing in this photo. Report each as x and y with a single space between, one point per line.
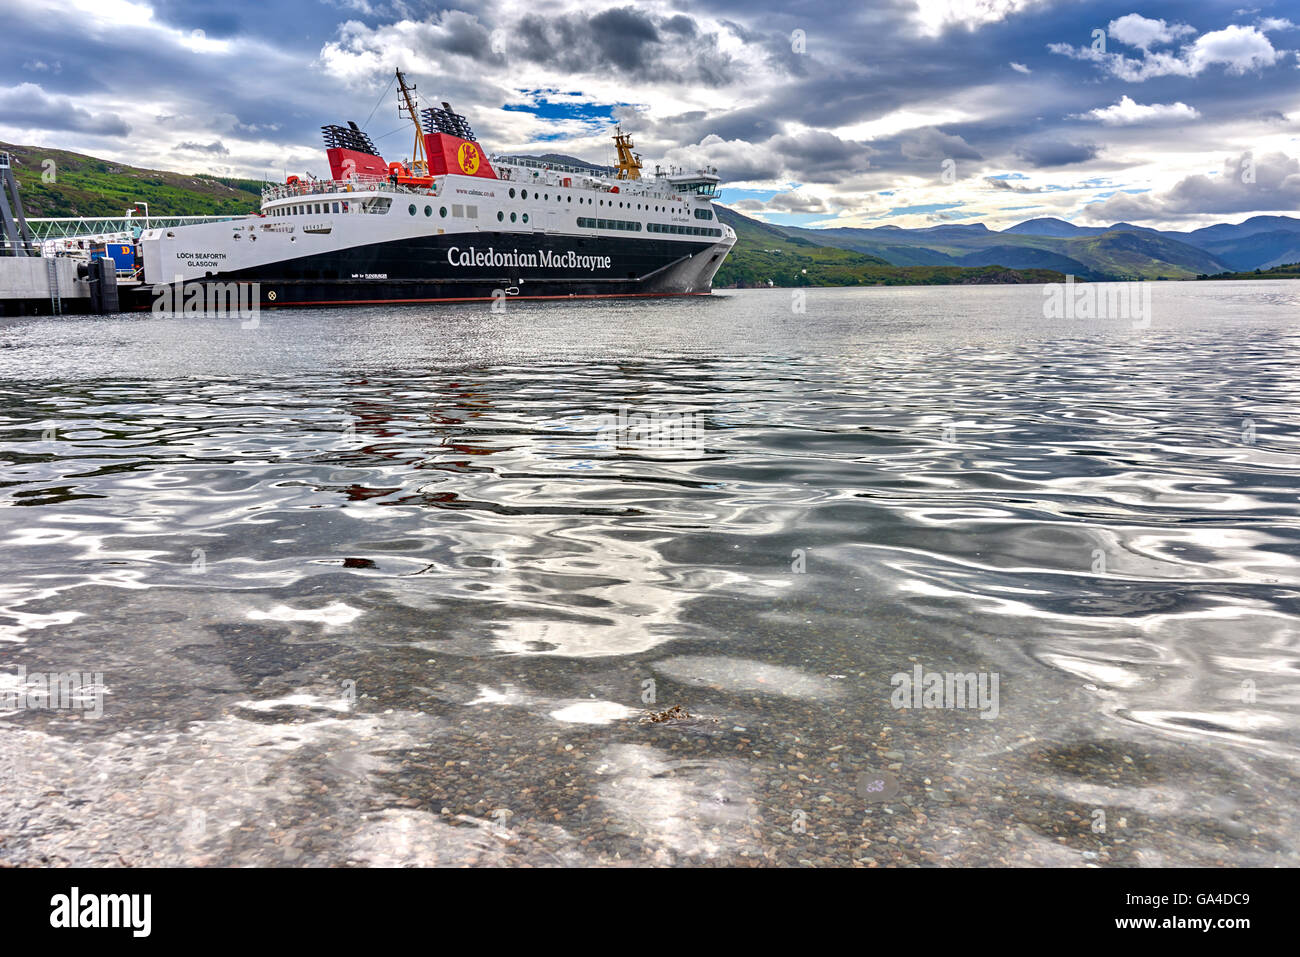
555 167
356 184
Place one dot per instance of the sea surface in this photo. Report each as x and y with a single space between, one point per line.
412 586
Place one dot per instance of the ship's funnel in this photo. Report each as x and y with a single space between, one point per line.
450 145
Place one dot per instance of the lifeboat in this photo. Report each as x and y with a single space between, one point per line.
399 173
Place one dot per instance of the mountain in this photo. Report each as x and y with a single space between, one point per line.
1027 256
1223 232
766 254
1096 253
1259 243
1046 226
1125 255
563 159
87 186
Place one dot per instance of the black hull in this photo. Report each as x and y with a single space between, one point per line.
430 269
275 295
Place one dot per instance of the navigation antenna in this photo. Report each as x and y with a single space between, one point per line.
629 163
406 107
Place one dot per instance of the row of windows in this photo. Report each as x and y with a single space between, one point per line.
469 212
627 224
546 198
683 230
379 205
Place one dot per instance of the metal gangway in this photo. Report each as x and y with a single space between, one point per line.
100 228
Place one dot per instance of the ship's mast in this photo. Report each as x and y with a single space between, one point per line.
629 163
419 166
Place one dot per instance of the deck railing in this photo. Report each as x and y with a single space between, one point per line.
357 184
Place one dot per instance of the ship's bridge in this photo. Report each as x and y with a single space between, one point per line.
701 182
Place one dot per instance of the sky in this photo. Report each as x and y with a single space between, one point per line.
910 113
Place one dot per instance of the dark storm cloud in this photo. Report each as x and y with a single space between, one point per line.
821 157
27 105
930 143
681 25
1003 184
465 36
1048 154
215 148
626 40
216 21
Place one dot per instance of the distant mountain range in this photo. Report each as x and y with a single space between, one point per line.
1119 251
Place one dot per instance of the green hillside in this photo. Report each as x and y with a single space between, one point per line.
1140 256
1289 271
765 254
86 186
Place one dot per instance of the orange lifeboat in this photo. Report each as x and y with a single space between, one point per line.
401 174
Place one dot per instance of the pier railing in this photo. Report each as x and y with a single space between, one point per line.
110 227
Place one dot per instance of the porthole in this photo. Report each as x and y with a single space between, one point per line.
428 210
523 194
500 216
442 211
411 209
512 192
512 217
525 217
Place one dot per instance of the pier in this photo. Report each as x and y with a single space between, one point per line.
52 266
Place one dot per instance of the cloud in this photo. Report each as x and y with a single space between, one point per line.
931 143
933 17
627 40
820 157
362 51
1247 185
1268 24
1048 153
1136 30
1239 50
1006 185
28 105
792 202
736 160
216 148
1129 113
1020 68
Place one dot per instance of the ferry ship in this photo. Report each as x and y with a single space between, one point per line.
455 224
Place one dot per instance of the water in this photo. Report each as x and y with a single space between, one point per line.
383 586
